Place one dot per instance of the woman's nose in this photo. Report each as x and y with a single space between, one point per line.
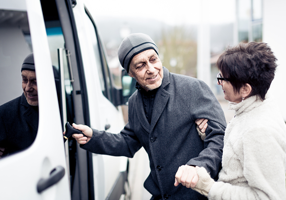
220 82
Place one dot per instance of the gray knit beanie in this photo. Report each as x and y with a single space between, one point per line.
28 63
132 45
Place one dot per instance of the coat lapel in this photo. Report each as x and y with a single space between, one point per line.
160 103
141 114
161 100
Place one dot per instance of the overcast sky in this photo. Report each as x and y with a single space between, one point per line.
170 11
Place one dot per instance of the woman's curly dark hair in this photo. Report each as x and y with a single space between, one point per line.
253 63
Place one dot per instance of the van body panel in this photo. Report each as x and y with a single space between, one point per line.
20 173
102 111
87 99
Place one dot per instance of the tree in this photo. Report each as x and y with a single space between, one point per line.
178 51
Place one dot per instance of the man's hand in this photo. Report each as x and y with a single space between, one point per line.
202 124
187 176
80 138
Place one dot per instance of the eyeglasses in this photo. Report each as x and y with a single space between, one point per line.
220 78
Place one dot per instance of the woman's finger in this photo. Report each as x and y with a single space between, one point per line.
204 128
199 121
203 123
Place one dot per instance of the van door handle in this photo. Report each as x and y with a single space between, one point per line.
55 176
107 126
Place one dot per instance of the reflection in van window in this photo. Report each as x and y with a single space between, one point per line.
19 117
18 84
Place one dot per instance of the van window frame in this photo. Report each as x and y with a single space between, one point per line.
102 57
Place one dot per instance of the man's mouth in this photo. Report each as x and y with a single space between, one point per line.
32 96
153 77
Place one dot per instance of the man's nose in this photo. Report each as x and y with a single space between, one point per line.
29 86
151 68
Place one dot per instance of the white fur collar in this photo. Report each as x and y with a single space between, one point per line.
246 105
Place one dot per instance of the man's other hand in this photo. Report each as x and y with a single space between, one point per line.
187 176
80 138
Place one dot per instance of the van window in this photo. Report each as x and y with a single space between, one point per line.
107 74
18 89
96 51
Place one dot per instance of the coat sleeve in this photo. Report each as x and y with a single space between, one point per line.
3 131
124 143
203 104
263 168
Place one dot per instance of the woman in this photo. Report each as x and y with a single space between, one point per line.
254 154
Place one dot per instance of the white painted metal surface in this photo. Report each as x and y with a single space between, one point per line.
102 111
274 32
21 172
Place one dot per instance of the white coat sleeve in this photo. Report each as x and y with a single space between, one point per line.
263 168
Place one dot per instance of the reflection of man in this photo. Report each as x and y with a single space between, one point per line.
161 119
19 117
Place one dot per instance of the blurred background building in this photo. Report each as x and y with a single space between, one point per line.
191 35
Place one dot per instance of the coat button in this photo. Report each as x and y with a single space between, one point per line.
166 196
159 168
153 139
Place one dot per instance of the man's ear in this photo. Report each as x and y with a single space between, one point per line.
130 74
245 90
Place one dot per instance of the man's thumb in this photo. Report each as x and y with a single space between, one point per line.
79 127
74 125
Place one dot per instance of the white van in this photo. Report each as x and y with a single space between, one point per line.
60 33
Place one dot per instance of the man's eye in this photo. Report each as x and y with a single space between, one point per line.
139 66
153 59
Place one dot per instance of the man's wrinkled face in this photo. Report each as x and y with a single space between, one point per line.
146 68
29 85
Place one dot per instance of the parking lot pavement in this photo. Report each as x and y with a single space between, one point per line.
138 172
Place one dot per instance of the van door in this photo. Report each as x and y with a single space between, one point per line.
39 171
108 179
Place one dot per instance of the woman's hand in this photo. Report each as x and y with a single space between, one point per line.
202 124
204 183
201 127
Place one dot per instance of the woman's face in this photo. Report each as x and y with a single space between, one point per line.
229 93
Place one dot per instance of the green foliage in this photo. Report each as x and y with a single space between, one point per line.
178 51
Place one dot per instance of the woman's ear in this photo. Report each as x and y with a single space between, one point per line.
245 90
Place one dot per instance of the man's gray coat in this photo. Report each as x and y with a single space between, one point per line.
171 140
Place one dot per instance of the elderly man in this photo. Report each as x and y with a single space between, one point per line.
161 119
19 117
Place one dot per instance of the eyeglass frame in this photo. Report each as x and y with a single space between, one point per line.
220 79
